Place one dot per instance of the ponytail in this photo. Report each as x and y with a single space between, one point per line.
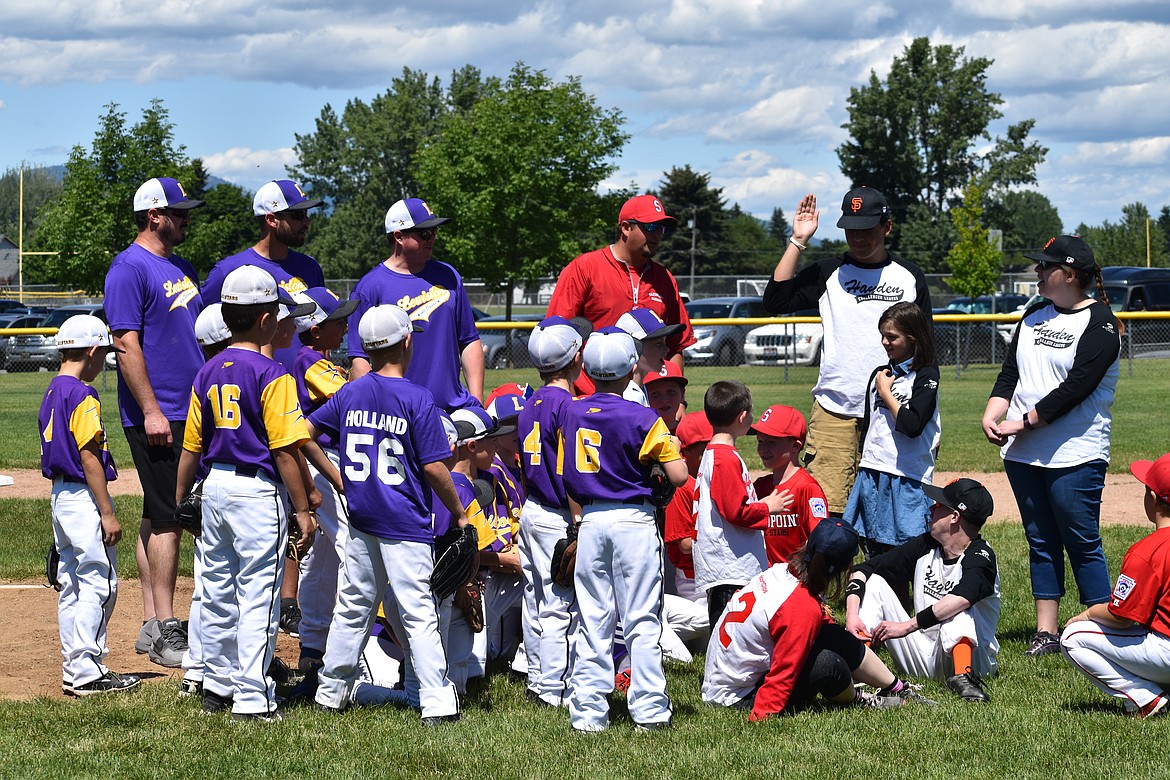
1104 297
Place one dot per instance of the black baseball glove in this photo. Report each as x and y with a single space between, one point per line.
189 512
456 560
661 488
52 563
564 558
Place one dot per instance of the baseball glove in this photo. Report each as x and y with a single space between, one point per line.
52 563
661 488
469 600
189 512
457 558
564 558
297 548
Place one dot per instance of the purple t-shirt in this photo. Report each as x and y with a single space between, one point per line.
436 298
609 444
539 424
387 429
70 418
159 298
466 491
243 406
296 273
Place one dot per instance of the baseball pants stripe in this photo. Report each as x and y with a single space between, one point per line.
550 610
1131 664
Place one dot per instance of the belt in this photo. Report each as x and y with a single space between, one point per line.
70 480
241 471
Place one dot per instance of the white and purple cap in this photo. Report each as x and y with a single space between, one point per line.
384 326
250 284
473 423
644 324
82 331
554 343
506 408
327 306
282 195
449 429
610 353
163 193
412 214
210 329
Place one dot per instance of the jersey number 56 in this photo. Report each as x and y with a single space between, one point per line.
386 452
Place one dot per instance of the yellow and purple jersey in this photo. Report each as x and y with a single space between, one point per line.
504 514
243 406
538 426
317 378
606 447
69 419
464 488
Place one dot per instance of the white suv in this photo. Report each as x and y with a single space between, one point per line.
796 342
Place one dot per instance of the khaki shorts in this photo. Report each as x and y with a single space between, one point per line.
831 454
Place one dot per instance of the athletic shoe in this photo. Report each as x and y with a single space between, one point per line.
146 636
272 716
67 688
290 617
283 674
969 686
534 699
439 720
110 682
189 687
170 644
621 681
311 658
910 694
1159 706
646 728
1043 644
214 703
326 709
873 701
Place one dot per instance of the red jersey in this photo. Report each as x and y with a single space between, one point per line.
1142 593
788 531
680 524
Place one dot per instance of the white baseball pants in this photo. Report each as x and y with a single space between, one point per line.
502 595
684 621
458 642
193 658
1131 664
321 568
551 620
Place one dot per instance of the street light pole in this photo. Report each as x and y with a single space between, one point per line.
694 226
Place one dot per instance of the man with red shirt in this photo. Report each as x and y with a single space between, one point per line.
604 284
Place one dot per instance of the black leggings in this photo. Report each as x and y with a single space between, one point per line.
827 671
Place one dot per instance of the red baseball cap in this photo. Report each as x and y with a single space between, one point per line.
693 429
669 370
1154 474
782 422
645 208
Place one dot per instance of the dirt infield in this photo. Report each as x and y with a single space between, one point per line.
30 665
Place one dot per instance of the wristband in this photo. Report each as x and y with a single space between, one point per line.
855 588
1028 424
797 244
925 619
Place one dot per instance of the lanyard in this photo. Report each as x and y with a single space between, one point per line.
634 277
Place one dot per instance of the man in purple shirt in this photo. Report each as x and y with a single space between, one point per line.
152 301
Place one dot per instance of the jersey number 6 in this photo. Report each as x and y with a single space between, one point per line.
388 465
588 451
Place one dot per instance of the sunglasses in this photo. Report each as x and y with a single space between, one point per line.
422 234
650 227
175 213
296 216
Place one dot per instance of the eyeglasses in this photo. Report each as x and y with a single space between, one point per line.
422 234
650 227
175 213
300 215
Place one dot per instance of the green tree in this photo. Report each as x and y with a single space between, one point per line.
1027 218
926 237
975 263
41 187
1164 223
915 135
778 226
1125 243
222 227
749 243
518 173
688 195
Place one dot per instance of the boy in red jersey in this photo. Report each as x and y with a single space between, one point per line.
780 433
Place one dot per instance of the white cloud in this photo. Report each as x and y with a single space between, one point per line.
1139 153
249 167
3 105
789 115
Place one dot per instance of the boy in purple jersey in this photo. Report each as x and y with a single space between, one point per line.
555 349
393 447
281 210
85 530
606 448
246 425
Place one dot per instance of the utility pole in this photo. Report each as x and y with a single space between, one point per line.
694 226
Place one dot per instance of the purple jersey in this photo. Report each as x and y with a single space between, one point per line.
606 447
317 378
436 298
539 424
296 273
70 418
243 406
442 519
387 428
159 298
509 500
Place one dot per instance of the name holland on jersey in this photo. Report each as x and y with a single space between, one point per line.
877 292
363 418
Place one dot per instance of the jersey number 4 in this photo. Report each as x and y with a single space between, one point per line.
738 616
532 445
387 458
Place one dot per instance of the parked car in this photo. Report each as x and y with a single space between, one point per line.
999 303
720 345
798 343
30 352
14 320
968 342
502 348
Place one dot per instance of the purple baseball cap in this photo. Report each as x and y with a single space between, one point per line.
644 324
327 307
411 214
282 195
163 193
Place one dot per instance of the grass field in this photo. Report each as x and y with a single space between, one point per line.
1044 720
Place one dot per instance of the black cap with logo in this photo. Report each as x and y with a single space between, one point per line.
862 208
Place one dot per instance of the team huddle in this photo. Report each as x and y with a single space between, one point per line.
604 526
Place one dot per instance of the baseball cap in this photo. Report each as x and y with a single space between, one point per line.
644 208
554 342
1154 474
610 353
282 195
448 428
384 326
862 208
782 422
252 284
473 423
693 428
506 408
644 324
210 329
163 193
411 214
509 388
669 370
82 331
835 540
1069 251
326 307
966 496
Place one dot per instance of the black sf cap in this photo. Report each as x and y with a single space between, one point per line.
1068 251
966 496
862 208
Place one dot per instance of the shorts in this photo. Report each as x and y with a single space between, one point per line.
832 454
158 470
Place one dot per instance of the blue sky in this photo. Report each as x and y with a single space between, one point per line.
752 92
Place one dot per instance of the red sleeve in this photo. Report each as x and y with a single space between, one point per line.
813 504
572 288
730 495
680 513
677 312
1138 590
794 628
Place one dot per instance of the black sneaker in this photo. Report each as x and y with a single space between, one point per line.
1043 644
272 716
214 703
439 720
534 698
290 617
646 728
189 687
170 644
283 674
110 682
969 686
